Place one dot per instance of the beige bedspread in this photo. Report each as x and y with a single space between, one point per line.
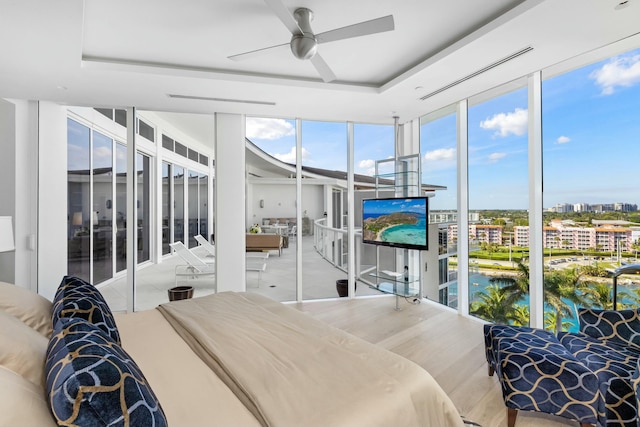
292 370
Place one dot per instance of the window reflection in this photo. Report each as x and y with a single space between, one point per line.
78 210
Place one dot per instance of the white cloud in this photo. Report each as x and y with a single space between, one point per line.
259 128
440 154
290 157
494 157
563 139
367 166
505 124
620 71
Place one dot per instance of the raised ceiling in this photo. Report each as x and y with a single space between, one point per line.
173 56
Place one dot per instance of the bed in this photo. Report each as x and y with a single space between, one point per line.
228 359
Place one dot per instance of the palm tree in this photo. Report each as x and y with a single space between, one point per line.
561 285
517 287
493 305
551 322
520 315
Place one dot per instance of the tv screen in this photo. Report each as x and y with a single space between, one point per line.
397 222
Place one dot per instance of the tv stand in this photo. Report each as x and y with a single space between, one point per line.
395 283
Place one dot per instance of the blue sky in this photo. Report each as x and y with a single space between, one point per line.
591 142
385 206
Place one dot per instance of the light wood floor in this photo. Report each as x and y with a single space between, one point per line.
449 346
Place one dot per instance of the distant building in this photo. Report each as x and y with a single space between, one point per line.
559 236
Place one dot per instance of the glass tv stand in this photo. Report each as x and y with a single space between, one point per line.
396 283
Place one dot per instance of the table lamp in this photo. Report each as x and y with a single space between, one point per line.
6 234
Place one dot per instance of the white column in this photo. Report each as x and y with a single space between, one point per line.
463 207
351 240
132 211
230 202
536 261
52 189
299 210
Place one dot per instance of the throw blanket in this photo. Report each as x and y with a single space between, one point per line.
289 369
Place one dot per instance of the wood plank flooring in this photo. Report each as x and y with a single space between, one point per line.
449 346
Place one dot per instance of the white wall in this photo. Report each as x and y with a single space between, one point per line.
52 198
230 203
26 184
7 181
430 258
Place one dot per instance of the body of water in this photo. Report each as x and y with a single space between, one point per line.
414 234
478 284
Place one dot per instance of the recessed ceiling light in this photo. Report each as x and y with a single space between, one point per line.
418 88
622 5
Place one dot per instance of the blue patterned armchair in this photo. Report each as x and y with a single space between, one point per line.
592 376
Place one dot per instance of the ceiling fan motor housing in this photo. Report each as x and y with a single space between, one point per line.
304 46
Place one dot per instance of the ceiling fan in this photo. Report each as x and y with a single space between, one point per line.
304 43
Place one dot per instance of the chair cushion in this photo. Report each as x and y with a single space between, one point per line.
618 326
77 298
91 380
614 365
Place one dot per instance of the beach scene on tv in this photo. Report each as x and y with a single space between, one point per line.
395 221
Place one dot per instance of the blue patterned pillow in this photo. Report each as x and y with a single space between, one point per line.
92 381
77 298
618 326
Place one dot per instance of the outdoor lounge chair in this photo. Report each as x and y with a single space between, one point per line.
195 267
206 245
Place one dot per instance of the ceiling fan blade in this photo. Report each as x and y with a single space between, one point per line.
284 15
255 53
323 68
373 26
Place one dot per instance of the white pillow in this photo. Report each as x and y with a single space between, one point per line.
22 349
29 307
22 403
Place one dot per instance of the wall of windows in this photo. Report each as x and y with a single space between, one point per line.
591 135
498 192
96 211
590 128
97 197
438 149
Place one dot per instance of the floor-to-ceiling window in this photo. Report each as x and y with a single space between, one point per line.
272 204
498 193
97 193
102 211
143 181
194 209
178 203
324 148
203 203
121 208
371 143
438 148
79 196
591 146
167 192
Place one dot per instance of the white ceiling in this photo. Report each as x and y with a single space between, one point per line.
121 53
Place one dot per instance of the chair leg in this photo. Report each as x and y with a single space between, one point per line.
511 417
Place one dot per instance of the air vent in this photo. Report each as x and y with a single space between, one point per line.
204 98
476 73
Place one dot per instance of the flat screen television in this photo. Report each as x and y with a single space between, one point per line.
396 222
